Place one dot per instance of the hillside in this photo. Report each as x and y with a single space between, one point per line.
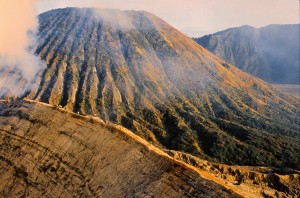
133 69
48 152
270 53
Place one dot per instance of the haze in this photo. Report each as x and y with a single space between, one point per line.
18 25
199 17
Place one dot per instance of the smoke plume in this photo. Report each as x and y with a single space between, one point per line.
18 64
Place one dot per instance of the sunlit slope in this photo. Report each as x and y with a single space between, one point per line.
47 152
134 69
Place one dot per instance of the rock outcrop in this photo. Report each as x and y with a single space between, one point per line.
251 181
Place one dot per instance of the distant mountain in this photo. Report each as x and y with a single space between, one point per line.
133 69
270 53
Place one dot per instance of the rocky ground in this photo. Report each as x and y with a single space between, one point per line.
48 152
250 181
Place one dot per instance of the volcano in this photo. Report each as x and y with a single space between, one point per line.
134 69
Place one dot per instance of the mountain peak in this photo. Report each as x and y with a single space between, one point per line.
150 78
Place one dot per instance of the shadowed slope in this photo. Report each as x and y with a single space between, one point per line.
134 69
270 53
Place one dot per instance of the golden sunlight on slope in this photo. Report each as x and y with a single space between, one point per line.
48 152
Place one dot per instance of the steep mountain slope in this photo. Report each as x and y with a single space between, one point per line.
133 69
270 53
47 152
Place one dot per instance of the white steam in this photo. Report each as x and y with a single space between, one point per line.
18 64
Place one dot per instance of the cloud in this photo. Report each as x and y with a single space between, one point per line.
18 64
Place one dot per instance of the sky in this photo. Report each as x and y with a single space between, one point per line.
198 17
